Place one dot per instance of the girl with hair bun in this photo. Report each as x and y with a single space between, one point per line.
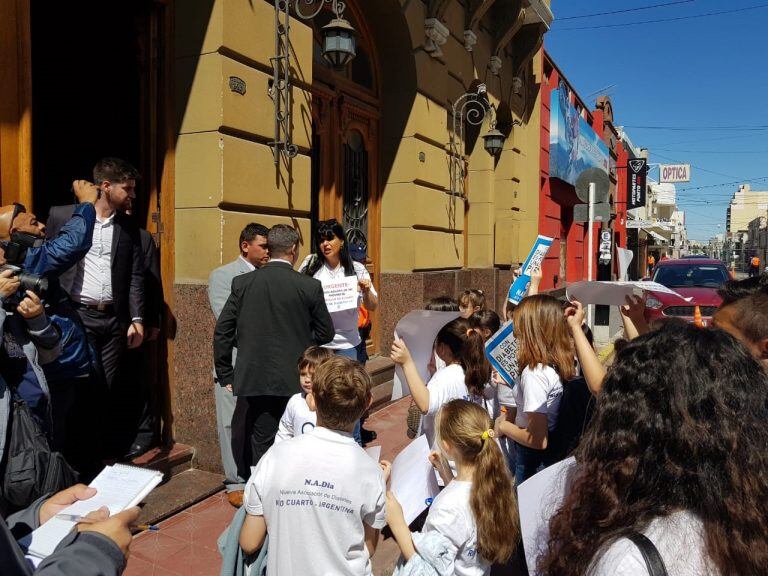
473 522
465 374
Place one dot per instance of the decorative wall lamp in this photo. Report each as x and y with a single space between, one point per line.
338 45
472 108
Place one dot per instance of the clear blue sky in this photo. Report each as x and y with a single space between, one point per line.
699 72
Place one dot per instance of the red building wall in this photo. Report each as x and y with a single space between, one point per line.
557 198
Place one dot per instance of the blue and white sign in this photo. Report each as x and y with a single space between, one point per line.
501 351
532 262
573 144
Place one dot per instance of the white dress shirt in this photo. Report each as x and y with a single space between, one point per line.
93 281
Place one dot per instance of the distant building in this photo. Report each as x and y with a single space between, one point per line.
746 205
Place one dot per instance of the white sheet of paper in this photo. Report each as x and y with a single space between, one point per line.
118 487
625 258
539 498
340 294
412 480
418 329
612 293
374 452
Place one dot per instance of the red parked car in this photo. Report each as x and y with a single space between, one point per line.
695 278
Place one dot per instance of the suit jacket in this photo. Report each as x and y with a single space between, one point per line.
274 314
127 263
153 283
220 287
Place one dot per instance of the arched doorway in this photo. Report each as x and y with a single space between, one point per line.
345 147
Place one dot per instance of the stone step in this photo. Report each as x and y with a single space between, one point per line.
170 461
181 491
382 371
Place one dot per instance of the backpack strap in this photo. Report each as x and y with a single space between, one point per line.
653 560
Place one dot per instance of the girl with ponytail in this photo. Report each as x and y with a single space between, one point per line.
473 522
465 374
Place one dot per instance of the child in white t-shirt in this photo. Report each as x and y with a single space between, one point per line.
465 374
473 522
545 356
298 418
319 496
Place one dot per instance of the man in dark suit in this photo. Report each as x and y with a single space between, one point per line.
107 285
273 314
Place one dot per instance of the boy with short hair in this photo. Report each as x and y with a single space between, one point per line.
320 497
298 417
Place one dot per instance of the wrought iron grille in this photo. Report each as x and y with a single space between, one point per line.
356 190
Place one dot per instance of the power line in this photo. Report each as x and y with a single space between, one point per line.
637 9
742 128
691 17
711 151
741 181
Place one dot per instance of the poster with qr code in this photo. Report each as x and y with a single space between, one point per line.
532 262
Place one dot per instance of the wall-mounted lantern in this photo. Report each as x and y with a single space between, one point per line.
338 46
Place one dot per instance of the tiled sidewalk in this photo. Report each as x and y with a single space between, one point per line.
185 545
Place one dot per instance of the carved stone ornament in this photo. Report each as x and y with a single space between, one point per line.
437 35
517 85
470 39
495 65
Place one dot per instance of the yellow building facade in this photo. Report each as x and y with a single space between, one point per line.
373 144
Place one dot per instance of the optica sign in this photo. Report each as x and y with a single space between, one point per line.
670 173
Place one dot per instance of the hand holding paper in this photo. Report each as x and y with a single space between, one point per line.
400 353
613 293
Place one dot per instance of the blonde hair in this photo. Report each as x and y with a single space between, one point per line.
465 425
342 389
542 335
473 297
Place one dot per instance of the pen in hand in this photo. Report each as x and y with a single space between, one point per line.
86 520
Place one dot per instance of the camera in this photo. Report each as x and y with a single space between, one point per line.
27 281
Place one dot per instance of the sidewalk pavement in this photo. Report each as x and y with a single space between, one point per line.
185 545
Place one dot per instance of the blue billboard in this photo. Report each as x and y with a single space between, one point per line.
573 144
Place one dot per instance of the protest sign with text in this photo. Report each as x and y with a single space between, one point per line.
501 351
532 262
340 294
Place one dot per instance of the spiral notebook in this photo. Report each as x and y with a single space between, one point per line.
117 487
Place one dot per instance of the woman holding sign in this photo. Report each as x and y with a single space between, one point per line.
332 264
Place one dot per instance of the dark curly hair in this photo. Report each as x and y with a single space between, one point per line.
680 425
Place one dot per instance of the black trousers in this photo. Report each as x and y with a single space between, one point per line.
108 336
254 426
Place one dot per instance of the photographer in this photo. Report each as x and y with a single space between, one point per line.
28 340
39 261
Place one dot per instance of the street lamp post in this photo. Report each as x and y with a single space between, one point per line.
339 48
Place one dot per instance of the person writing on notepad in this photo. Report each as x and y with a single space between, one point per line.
98 547
320 489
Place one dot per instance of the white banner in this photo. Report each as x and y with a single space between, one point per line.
613 293
418 329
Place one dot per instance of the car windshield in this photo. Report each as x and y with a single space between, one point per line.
680 276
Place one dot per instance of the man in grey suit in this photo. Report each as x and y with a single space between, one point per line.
253 255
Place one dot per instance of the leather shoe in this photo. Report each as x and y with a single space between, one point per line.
235 498
136 451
